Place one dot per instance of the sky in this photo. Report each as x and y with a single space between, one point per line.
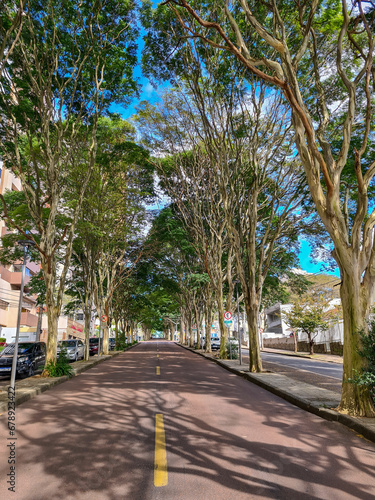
310 267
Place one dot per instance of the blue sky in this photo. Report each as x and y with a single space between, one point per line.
310 267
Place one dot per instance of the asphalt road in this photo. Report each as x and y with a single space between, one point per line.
310 365
159 422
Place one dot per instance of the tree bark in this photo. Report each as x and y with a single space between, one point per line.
208 320
252 313
355 299
223 329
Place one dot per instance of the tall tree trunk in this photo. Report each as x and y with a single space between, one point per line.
252 313
190 329
223 329
105 339
182 330
208 322
53 311
197 322
116 333
355 299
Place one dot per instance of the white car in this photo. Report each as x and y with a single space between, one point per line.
215 344
75 349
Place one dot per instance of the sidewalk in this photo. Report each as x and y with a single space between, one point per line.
32 386
313 399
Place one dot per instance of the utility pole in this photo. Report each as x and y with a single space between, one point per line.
26 244
39 325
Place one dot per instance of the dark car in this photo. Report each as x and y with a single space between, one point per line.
111 343
31 356
93 346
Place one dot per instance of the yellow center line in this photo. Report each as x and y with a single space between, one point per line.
160 461
158 370
157 355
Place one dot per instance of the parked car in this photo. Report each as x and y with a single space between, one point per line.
215 344
75 349
30 357
93 346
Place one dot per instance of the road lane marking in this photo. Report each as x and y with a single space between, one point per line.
158 370
160 460
157 355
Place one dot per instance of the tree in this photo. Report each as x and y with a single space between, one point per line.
71 61
171 274
316 54
310 314
186 176
11 18
112 217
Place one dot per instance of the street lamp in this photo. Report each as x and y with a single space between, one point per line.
26 244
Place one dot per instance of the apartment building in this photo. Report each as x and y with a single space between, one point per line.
10 282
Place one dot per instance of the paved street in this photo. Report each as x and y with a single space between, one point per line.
218 436
309 365
320 373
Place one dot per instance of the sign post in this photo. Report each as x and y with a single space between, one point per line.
228 321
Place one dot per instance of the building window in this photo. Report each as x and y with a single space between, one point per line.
4 305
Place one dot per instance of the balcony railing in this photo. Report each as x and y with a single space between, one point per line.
28 319
14 278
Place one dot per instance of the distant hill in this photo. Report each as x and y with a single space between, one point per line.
325 283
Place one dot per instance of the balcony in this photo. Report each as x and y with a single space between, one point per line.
14 278
28 319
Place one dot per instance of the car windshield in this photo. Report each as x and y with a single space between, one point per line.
94 341
67 343
23 348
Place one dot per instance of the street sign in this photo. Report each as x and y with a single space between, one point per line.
228 315
103 318
228 322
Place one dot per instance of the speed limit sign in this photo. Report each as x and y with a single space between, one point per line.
103 318
227 315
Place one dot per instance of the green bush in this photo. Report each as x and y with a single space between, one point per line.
60 366
232 348
367 377
120 341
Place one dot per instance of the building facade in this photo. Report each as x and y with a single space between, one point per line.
10 282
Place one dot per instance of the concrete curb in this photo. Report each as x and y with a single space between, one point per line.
364 427
32 387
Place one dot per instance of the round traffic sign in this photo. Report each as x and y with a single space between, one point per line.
227 315
103 318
